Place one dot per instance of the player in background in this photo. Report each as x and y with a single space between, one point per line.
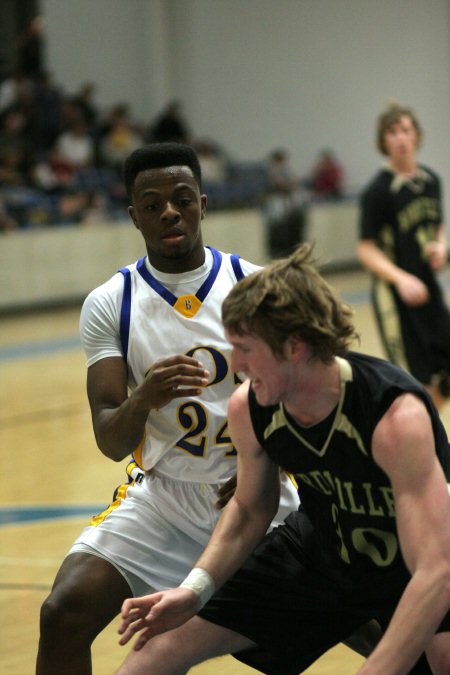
403 245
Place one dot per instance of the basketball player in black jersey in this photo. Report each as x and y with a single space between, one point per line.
403 244
371 539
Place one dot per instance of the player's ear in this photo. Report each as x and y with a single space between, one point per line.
203 202
294 349
133 217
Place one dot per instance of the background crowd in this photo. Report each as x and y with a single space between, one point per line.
61 157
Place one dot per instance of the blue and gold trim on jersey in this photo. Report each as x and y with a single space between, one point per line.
135 475
187 305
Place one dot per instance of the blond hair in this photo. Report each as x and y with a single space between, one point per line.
289 298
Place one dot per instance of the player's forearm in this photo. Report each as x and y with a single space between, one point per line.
418 614
234 538
378 263
119 431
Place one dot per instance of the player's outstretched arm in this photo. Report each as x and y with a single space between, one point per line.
156 613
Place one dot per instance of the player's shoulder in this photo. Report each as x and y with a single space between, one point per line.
379 369
238 265
108 295
239 411
429 173
248 267
240 395
108 290
378 182
112 286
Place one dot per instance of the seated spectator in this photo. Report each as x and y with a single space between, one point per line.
16 154
30 48
71 162
327 176
74 148
19 200
213 161
283 207
85 100
16 90
69 171
46 112
169 126
119 138
7 222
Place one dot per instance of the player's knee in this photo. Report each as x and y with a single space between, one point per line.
49 618
157 657
52 614
441 664
175 652
438 654
62 615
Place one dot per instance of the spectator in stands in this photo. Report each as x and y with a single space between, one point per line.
7 222
170 126
70 172
213 161
284 206
46 116
74 147
119 138
30 48
15 90
327 176
16 156
85 99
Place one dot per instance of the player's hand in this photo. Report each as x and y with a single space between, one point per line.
412 290
155 614
436 252
173 377
226 491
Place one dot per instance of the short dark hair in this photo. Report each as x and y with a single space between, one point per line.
157 156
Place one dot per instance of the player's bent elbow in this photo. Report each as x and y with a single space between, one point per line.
113 445
116 453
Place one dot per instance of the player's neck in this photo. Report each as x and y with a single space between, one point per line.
317 395
178 264
407 166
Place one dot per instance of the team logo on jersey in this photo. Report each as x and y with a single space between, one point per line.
187 305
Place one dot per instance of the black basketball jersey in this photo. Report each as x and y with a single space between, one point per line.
345 494
402 215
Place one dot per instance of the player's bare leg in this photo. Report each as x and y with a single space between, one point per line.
158 657
439 654
87 594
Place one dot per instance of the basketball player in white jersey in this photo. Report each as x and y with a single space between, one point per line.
158 383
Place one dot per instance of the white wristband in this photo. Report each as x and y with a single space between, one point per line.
202 583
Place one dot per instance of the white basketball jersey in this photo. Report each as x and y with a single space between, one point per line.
188 438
